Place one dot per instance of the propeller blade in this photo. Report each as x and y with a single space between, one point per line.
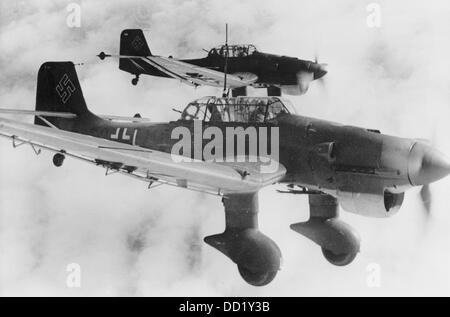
303 80
316 56
425 193
425 196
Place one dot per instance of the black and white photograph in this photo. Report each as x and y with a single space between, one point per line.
224 149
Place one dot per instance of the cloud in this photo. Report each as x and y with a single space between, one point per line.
133 241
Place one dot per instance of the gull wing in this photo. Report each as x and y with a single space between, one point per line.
145 164
188 73
197 74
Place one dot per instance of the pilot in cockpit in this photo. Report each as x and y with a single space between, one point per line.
275 109
240 51
215 113
259 114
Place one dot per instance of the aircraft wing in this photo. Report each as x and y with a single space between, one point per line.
145 164
189 73
196 74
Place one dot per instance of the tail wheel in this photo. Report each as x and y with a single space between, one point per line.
134 81
339 259
256 278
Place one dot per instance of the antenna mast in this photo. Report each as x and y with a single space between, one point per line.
225 69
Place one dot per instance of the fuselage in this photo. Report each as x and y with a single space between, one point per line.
317 154
271 70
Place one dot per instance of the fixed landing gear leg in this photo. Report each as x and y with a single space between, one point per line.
236 92
257 257
273 91
340 243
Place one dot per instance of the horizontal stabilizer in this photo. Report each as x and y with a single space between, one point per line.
67 115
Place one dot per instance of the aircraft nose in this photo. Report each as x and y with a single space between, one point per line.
426 164
320 71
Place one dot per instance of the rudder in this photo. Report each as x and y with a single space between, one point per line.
133 43
58 90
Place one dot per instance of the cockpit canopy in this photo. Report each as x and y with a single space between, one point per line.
242 50
237 109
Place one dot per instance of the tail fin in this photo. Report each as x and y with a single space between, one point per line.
58 90
132 43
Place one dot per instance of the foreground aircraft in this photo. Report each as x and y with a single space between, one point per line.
362 170
244 65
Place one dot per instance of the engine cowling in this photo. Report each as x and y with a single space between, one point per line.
382 205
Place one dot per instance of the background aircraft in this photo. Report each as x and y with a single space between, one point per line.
243 64
364 171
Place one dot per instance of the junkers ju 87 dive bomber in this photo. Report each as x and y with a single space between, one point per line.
243 64
233 147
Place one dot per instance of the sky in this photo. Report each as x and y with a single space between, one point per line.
131 241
